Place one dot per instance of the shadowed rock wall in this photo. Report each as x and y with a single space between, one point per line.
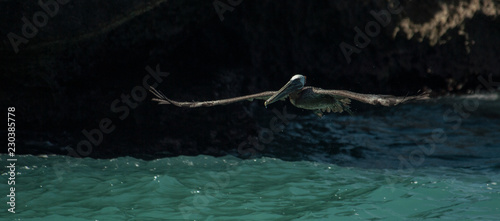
65 77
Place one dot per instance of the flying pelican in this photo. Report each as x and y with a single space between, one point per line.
309 98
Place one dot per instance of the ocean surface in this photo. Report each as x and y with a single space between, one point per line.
433 160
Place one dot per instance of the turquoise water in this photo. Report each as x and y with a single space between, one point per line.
228 188
433 160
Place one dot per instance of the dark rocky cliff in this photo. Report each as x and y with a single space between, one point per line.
69 66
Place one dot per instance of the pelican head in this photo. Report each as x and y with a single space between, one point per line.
296 83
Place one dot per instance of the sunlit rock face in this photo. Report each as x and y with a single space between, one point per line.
65 63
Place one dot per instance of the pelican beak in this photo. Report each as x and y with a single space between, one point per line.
290 87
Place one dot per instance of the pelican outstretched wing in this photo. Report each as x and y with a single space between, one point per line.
374 99
162 99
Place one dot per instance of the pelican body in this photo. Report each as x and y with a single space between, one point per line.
309 98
